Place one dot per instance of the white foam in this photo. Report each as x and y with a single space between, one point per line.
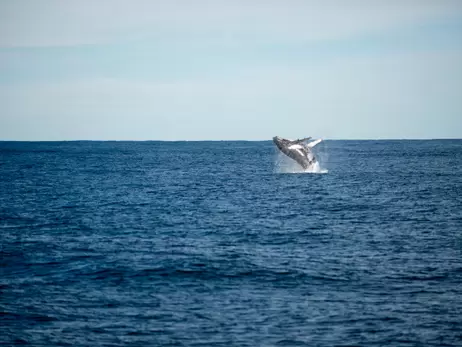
316 168
284 164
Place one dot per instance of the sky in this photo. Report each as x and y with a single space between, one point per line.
230 70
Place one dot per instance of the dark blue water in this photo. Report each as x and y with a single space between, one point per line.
202 244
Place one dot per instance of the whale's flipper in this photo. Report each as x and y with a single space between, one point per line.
314 143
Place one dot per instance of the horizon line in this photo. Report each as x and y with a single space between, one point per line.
243 140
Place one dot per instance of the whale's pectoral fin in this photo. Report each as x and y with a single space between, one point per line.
314 143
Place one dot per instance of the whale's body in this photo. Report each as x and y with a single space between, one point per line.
298 150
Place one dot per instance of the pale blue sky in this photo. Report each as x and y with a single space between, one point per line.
197 70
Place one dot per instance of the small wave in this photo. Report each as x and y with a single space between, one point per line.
14 316
419 277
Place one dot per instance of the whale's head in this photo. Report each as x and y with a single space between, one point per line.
278 141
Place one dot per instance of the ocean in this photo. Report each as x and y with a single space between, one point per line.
218 244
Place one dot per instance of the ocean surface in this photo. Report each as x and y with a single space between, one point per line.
215 244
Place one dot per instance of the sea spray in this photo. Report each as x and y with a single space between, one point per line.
284 164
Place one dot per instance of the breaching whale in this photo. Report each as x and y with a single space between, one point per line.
298 150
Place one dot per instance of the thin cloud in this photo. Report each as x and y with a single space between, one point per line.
63 23
411 95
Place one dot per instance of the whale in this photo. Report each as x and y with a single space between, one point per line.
298 150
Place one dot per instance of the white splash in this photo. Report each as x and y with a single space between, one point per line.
284 164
